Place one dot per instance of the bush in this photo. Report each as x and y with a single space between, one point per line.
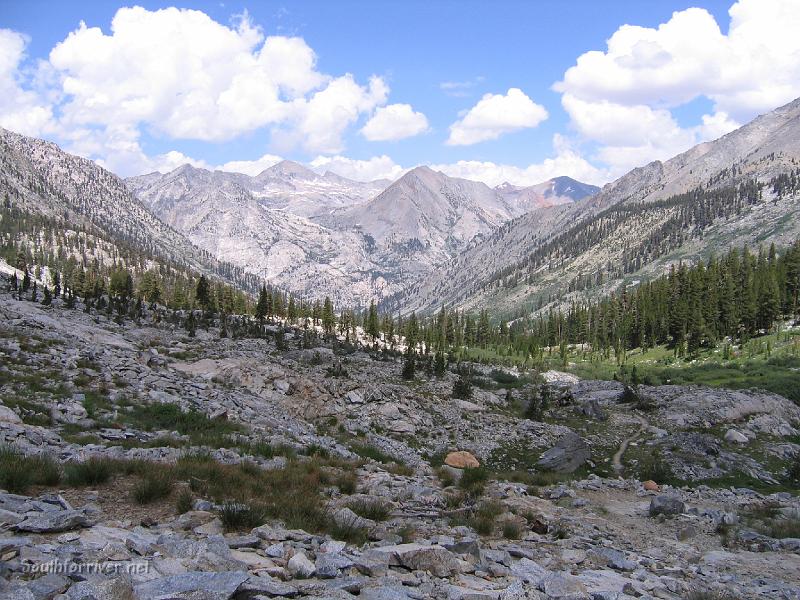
373 509
483 519
346 531
153 486
93 471
184 501
653 466
376 454
473 481
446 477
241 515
346 482
511 530
15 476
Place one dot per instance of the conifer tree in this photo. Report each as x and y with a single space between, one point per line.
202 293
262 306
373 328
328 317
409 364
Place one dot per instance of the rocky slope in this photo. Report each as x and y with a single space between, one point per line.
530 259
37 177
75 386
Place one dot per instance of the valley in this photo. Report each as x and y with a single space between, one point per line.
293 384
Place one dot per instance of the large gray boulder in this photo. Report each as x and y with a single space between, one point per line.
54 521
569 453
194 584
666 505
437 560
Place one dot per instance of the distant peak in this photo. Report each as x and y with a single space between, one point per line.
290 168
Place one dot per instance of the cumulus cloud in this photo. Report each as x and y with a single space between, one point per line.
20 110
377 167
495 115
394 122
322 120
567 161
622 97
251 167
178 74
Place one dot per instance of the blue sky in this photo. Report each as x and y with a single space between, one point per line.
684 74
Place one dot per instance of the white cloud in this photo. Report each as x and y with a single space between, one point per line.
565 162
494 115
20 110
178 74
394 122
251 167
622 97
377 167
320 121
460 89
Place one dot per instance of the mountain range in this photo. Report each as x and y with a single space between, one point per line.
715 196
325 235
427 239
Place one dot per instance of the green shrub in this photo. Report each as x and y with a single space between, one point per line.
511 530
373 509
446 477
346 482
368 451
184 501
473 481
241 515
93 471
153 486
15 475
484 517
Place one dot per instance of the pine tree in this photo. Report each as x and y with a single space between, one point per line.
202 293
439 366
409 365
373 328
48 297
328 317
263 305
412 331
190 324
462 387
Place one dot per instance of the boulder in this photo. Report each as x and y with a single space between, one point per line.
194 584
462 460
418 557
666 505
54 521
346 518
569 453
564 586
736 437
9 416
300 566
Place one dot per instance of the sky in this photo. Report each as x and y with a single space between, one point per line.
516 91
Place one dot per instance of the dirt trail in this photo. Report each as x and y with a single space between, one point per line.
616 461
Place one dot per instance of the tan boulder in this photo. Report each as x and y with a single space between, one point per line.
461 460
651 486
